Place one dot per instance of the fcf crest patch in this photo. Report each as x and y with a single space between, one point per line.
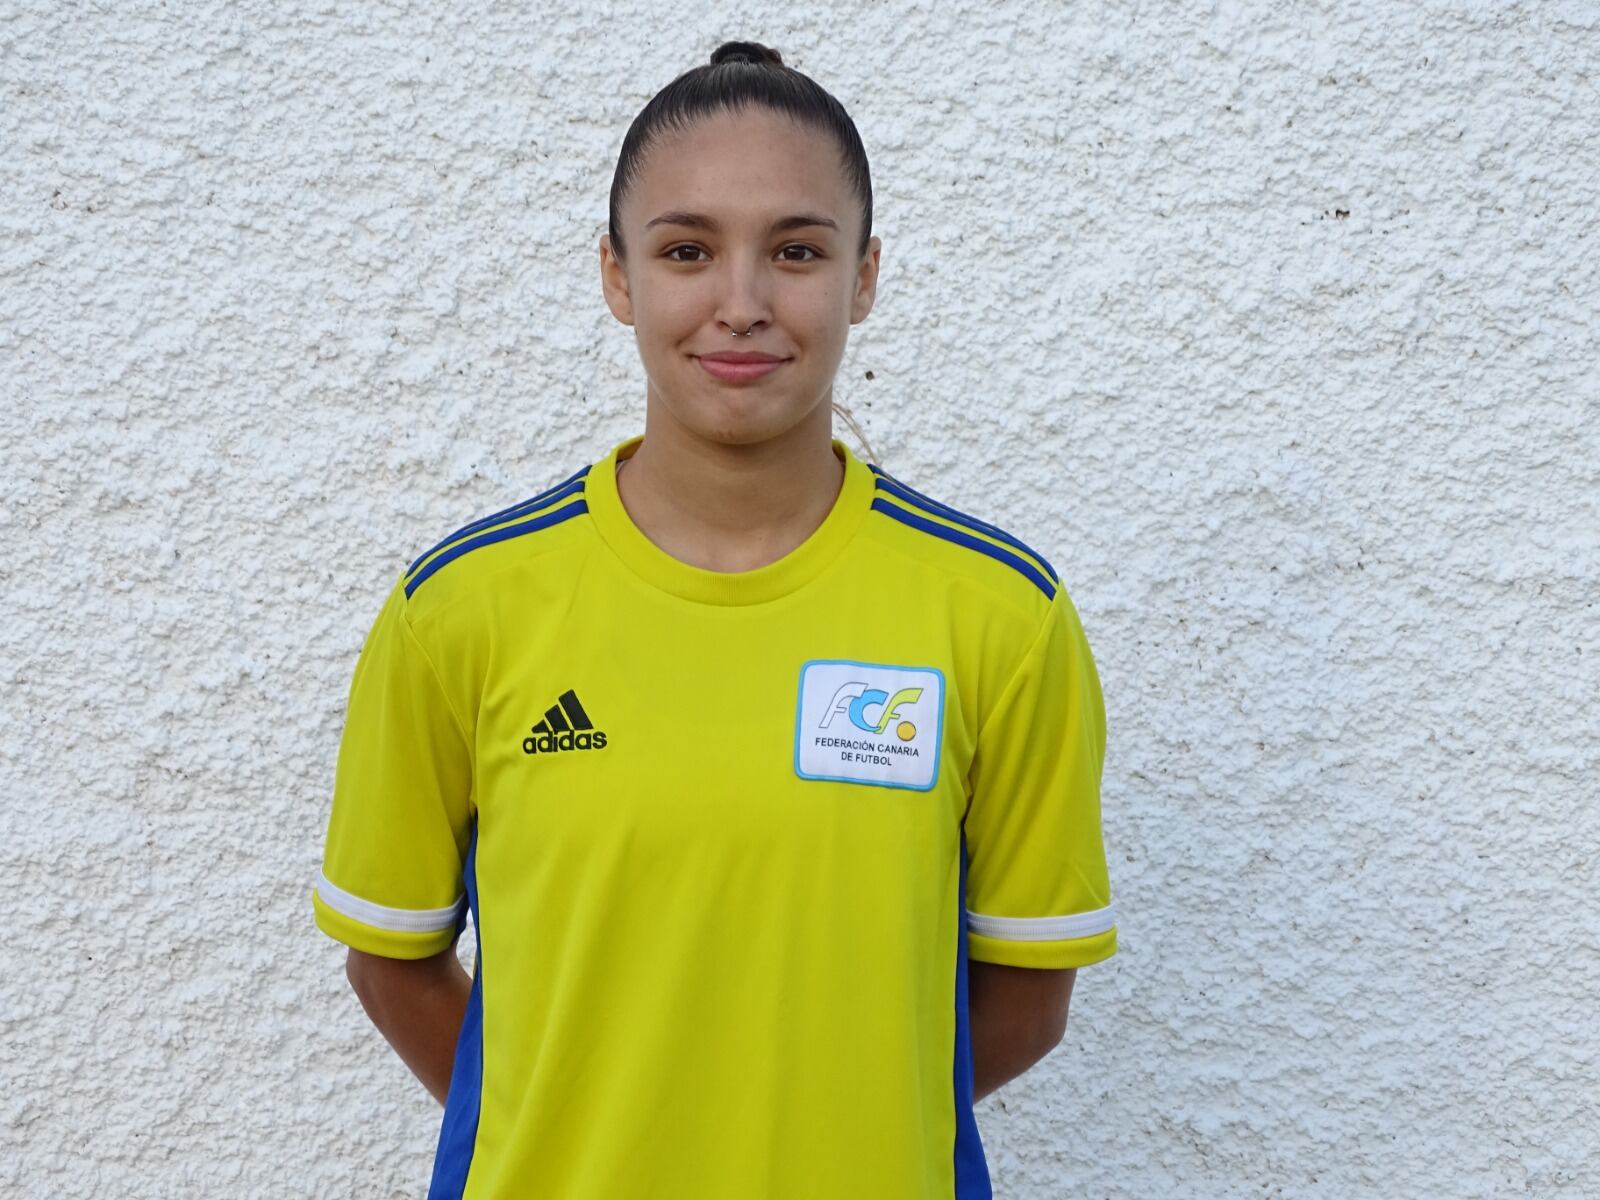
869 723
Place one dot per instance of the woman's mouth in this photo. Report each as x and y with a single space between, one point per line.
730 369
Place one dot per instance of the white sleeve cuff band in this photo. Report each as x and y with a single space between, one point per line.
397 920
1043 929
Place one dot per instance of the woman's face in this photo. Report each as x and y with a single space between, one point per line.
705 258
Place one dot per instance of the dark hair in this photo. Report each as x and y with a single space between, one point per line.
739 76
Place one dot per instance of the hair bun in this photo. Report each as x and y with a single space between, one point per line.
748 52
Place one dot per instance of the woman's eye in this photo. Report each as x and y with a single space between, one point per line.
674 253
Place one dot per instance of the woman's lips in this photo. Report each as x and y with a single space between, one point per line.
732 372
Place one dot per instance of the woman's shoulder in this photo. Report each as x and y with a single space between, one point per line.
465 559
994 557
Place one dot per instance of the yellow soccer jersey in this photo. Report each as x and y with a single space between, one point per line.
728 840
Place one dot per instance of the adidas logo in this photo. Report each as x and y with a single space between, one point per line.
565 726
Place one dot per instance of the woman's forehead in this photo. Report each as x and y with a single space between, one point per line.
748 169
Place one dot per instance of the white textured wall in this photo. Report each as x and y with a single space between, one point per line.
1272 325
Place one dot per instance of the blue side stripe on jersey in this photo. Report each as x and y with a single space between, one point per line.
906 517
495 535
458 1133
911 496
971 1169
505 514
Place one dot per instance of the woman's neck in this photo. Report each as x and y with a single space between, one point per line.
731 507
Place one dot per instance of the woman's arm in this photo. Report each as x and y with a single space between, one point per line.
417 1004
1017 1015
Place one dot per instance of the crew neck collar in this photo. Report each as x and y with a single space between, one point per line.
660 569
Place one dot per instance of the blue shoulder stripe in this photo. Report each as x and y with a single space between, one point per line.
915 498
543 521
505 514
907 517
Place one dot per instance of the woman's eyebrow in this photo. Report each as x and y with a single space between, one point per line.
701 221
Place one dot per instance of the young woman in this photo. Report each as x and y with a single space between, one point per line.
771 784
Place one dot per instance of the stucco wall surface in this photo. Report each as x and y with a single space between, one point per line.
1271 325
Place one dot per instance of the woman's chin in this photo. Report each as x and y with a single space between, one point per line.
738 420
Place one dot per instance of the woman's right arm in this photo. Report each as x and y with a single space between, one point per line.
417 1004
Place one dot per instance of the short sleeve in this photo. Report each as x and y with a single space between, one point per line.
400 823
1038 894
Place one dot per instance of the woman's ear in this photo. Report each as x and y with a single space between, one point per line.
614 282
866 282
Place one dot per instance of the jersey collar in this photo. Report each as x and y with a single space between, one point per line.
660 569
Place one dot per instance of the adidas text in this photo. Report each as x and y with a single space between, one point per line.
549 743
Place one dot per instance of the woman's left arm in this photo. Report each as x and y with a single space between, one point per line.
1017 1015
